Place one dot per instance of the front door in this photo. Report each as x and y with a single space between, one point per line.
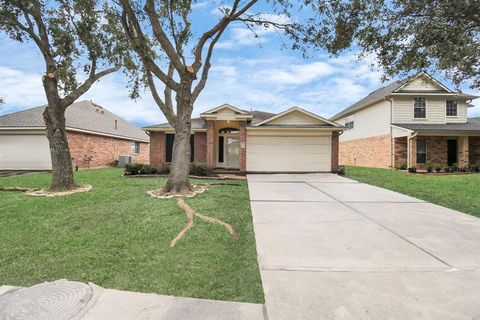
452 152
232 152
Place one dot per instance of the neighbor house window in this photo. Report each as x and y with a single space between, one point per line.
421 150
419 108
169 139
451 108
349 121
136 147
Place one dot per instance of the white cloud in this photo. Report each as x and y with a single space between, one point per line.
254 35
23 90
297 74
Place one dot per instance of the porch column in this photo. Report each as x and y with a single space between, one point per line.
210 145
412 152
243 146
334 159
463 151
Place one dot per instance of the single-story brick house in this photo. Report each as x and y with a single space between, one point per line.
96 138
226 137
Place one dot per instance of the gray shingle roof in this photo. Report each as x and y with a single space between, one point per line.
199 123
83 115
374 96
472 125
381 93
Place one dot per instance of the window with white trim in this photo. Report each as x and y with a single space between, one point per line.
452 110
136 147
421 150
349 121
419 108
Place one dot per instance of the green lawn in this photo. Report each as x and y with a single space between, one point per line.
117 237
459 192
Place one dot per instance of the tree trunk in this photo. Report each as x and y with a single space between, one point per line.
180 168
54 117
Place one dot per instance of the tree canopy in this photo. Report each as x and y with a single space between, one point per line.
413 35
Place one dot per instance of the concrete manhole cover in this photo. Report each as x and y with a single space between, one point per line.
58 300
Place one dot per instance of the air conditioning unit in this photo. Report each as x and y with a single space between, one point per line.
123 161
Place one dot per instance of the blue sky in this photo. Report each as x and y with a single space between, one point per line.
247 72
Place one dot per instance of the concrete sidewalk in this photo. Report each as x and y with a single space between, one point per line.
70 300
333 248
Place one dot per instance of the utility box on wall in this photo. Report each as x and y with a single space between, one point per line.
123 161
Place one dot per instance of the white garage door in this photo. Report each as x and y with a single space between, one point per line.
288 153
24 152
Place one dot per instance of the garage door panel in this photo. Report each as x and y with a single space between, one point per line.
281 140
24 152
287 153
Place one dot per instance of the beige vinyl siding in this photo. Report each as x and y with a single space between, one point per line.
422 83
295 118
436 110
462 113
371 121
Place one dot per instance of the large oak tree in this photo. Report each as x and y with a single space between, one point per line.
76 42
174 54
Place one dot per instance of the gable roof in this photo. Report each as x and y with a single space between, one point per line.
82 115
201 124
297 109
259 119
396 87
223 106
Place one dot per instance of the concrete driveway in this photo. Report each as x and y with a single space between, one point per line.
333 248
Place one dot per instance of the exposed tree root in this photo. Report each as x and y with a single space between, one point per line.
20 189
37 192
191 215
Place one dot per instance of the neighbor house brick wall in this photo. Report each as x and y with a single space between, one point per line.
243 146
210 144
474 149
368 152
335 151
102 150
200 149
399 151
157 149
437 151
463 151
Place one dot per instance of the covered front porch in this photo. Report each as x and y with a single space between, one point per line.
421 150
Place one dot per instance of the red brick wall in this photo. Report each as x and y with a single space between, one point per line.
103 150
157 149
474 149
210 144
400 151
200 148
367 152
335 151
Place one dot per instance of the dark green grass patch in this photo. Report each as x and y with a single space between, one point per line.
459 192
117 237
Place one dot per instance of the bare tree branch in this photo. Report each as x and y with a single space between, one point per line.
162 37
137 38
167 111
80 90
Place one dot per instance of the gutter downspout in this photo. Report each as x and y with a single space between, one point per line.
408 148
391 132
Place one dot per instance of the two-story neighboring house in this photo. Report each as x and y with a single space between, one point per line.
415 122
